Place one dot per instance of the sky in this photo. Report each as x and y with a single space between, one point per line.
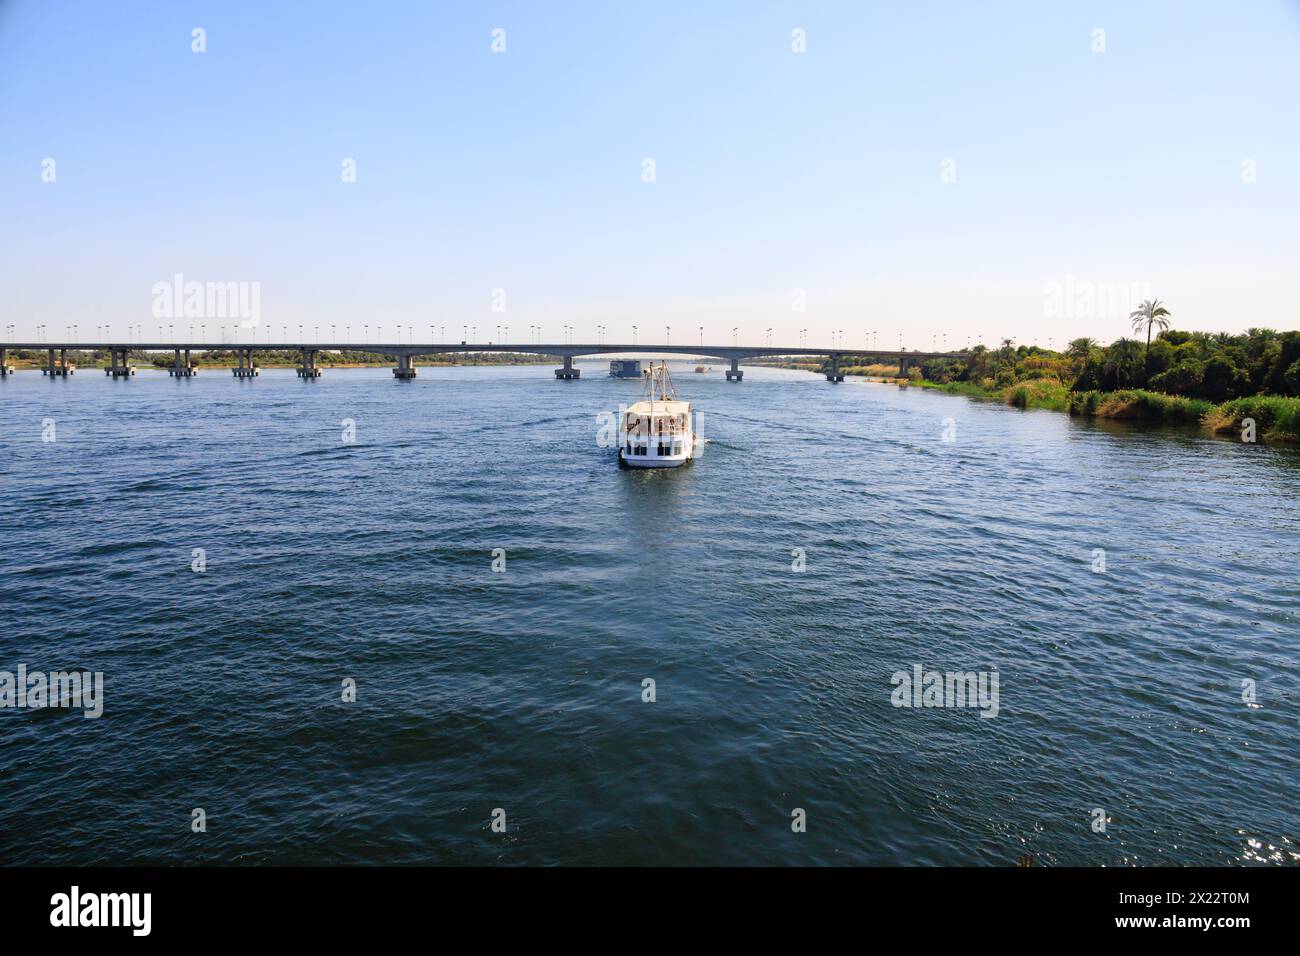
923 173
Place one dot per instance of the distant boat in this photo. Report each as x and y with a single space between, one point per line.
625 368
657 431
701 368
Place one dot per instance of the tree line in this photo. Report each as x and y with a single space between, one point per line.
1216 367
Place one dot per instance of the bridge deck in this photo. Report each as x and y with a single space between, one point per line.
571 350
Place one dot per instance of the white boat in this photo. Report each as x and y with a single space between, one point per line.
658 431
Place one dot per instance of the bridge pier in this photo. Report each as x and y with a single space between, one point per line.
119 363
734 374
246 367
309 368
182 368
405 368
57 366
835 375
568 373
5 367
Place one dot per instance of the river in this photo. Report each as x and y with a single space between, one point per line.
828 539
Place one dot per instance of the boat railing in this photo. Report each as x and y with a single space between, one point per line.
664 426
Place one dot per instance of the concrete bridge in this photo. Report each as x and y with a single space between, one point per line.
405 353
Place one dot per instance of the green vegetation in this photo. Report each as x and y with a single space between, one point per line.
1276 417
1038 393
1138 404
969 389
1176 377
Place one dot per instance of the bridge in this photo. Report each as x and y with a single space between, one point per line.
406 352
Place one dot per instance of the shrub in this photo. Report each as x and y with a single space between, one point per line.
1182 379
1039 393
1138 404
1276 417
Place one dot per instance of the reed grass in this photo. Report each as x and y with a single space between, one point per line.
1276 418
1138 404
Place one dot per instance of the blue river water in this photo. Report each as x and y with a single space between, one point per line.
1161 691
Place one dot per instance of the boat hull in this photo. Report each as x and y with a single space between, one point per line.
657 461
634 462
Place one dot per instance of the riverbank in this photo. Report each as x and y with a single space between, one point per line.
1276 418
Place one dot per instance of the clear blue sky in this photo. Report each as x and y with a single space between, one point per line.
776 171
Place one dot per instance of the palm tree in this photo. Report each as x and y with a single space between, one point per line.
1007 352
1121 362
1150 313
1080 348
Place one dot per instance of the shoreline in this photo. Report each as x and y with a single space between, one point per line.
1276 418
